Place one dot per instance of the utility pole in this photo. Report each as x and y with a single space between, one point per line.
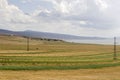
28 44
114 56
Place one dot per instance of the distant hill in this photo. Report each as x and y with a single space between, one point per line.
6 32
58 37
36 34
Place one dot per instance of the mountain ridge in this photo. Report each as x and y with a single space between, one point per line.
37 34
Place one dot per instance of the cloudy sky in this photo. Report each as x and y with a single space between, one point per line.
76 17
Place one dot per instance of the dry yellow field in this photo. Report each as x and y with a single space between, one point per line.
83 74
49 60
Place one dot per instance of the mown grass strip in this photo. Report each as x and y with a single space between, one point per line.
90 66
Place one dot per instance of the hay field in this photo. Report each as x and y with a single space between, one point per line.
82 74
56 60
53 55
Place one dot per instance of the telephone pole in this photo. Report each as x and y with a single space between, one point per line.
114 56
28 44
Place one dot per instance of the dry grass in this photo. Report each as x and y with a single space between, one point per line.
45 53
16 46
85 74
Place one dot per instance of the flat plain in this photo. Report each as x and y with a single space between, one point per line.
56 60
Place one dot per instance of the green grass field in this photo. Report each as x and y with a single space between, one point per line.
54 55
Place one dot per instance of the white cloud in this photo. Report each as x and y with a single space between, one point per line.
70 6
26 1
85 17
77 17
102 4
39 11
83 22
11 13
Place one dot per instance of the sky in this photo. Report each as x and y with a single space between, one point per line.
100 18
